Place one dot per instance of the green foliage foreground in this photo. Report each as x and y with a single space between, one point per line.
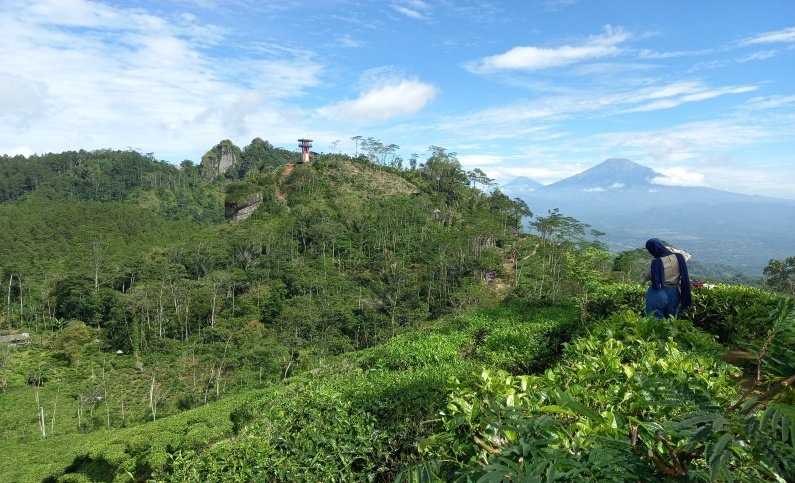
357 417
629 398
638 399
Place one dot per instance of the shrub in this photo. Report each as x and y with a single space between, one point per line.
597 416
72 340
306 433
239 192
732 312
414 350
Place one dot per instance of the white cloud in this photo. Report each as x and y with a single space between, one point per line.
80 74
542 174
760 55
679 176
600 189
708 65
786 35
479 160
770 102
348 41
381 102
685 142
523 119
698 95
416 9
655 55
536 58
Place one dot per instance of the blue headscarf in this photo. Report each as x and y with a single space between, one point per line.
658 250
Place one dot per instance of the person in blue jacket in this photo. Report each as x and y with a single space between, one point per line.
669 291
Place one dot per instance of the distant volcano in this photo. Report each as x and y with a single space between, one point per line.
627 201
614 173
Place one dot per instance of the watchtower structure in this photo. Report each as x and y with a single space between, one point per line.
305 145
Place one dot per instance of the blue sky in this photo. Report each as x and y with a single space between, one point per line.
704 92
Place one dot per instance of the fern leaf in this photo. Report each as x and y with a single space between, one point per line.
779 419
718 455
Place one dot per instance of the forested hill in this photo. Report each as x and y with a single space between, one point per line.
251 318
341 245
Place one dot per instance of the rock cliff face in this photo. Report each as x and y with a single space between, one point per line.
240 210
220 159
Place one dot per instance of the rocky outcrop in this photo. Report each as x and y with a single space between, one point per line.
13 339
242 209
220 159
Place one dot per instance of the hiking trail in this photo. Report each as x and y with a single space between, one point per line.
288 170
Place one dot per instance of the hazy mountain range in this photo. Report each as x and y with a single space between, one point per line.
628 201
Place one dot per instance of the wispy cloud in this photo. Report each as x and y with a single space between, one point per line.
536 58
686 141
348 41
416 9
555 5
769 102
516 118
760 55
655 55
786 35
696 95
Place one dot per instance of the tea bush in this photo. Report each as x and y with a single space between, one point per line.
733 312
614 409
308 433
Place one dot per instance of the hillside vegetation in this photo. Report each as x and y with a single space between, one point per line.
367 322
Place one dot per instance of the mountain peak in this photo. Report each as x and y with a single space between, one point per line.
610 174
619 163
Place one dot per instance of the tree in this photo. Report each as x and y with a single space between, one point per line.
780 275
477 176
356 140
72 340
413 161
258 154
444 172
73 298
552 263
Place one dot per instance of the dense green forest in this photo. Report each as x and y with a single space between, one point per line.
365 318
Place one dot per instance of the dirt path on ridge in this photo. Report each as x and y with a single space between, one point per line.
288 170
